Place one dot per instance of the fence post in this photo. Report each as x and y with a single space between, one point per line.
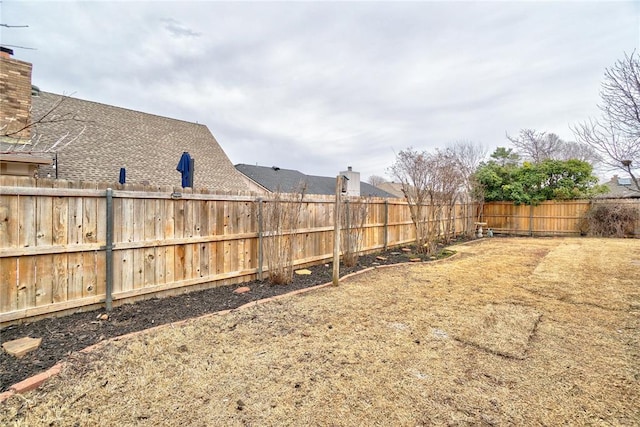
260 233
109 250
386 223
336 233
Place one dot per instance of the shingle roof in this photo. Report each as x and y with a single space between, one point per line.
619 191
394 188
289 180
103 138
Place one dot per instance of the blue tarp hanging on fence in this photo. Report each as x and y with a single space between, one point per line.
185 167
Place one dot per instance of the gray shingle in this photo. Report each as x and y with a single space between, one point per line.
289 180
103 138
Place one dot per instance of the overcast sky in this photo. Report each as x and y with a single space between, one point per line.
320 86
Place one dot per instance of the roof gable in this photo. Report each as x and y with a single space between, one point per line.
95 140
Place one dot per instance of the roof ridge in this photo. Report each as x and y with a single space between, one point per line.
122 108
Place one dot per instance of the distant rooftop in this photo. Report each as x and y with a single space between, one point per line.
274 179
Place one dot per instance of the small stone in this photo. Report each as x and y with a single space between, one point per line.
395 253
415 259
406 250
240 405
21 346
303 272
381 258
103 316
375 263
242 290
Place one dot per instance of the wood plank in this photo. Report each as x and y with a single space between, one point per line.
101 220
44 280
74 270
90 220
149 267
151 228
45 216
220 257
27 221
213 258
188 219
8 284
169 233
203 219
58 191
205 258
75 260
117 271
52 308
196 260
60 237
60 279
138 268
189 270
89 275
179 264
179 218
9 221
26 282
169 263
101 273
126 256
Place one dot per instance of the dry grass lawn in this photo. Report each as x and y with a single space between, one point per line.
508 332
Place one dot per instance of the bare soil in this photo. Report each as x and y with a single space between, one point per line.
508 332
61 336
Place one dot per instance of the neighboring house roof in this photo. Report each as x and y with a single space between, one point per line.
394 188
275 179
102 138
620 188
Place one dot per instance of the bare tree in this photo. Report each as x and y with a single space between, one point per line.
354 217
449 184
575 150
428 188
536 146
616 135
376 180
282 218
621 96
467 157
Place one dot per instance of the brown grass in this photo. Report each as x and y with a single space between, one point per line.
511 332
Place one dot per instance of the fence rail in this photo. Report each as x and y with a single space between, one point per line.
57 254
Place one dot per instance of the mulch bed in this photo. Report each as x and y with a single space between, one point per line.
62 336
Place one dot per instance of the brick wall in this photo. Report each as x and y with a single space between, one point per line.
15 99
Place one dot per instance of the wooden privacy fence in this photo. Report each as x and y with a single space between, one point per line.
66 245
550 218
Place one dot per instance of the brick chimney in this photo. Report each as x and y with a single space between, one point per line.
15 98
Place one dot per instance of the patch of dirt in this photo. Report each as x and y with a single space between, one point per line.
62 336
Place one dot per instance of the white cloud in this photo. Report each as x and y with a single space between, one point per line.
318 86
